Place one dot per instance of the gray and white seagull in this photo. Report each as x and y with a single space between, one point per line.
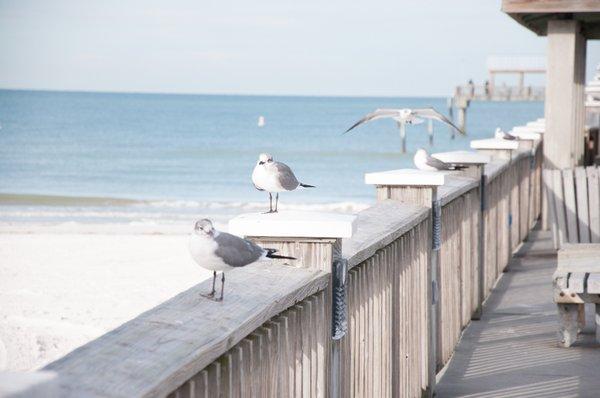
220 251
274 177
405 116
424 161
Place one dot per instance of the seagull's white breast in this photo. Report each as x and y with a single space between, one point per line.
202 249
266 179
420 161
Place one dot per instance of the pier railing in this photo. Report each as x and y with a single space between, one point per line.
410 291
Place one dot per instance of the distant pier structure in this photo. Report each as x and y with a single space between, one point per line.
490 90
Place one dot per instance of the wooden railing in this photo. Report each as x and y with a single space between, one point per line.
272 334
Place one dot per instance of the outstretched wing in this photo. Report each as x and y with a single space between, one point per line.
377 114
430 113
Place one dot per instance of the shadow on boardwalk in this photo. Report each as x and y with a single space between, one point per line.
512 351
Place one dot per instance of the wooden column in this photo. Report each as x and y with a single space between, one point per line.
418 188
565 112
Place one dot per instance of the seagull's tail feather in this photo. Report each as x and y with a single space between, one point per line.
307 186
271 254
458 167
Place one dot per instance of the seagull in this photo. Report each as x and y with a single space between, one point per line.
423 161
220 251
504 135
404 117
274 177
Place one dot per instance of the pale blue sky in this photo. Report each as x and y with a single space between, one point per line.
333 47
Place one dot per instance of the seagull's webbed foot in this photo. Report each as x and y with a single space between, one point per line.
210 295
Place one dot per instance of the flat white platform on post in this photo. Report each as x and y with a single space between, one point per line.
496 148
527 138
298 224
471 161
533 128
405 177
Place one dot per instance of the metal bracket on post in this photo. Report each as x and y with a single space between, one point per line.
339 316
437 225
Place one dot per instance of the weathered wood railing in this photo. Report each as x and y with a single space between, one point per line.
410 293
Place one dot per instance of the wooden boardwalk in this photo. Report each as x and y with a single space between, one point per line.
512 351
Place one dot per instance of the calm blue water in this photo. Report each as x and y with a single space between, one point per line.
198 151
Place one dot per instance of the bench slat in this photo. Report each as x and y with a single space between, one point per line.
583 220
593 283
559 206
594 203
570 206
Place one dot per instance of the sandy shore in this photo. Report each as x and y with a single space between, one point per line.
59 290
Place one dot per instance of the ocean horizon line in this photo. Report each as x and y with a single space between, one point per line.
249 95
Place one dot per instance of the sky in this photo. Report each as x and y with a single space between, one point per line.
281 47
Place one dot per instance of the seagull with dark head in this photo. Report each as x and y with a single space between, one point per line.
220 251
274 177
406 116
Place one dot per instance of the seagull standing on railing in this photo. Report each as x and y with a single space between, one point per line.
220 251
504 135
274 177
404 117
423 161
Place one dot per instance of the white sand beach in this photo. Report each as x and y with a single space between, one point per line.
62 287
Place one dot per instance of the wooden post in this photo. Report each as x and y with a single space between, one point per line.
496 148
419 188
462 104
430 131
474 163
315 240
565 112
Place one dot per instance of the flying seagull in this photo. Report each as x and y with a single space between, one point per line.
404 117
220 251
423 161
274 177
504 135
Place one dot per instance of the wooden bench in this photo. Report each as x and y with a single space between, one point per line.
574 204
576 282
574 208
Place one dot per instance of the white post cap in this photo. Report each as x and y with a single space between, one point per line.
462 157
405 177
494 143
529 129
526 135
293 224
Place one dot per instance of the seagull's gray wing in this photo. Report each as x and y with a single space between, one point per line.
285 176
235 251
509 136
377 114
436 163
430 113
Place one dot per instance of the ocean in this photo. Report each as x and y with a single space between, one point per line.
78 157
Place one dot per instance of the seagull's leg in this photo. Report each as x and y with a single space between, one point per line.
276 201
270 204
222 287
212 292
